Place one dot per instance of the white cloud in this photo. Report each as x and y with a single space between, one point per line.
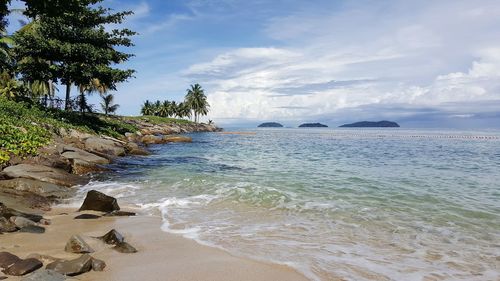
420 55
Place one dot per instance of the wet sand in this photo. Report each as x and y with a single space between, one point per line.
161 256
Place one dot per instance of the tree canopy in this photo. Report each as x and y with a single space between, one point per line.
69 43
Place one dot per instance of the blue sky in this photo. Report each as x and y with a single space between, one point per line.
421 63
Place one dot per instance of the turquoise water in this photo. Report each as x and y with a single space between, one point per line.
335 204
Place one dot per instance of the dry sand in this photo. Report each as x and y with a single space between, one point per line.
161 256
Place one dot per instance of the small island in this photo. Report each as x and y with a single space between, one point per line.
368 124
270 125
313 125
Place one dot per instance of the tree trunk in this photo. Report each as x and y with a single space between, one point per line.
67 106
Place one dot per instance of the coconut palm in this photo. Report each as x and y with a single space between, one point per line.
197 101
107 104
147 108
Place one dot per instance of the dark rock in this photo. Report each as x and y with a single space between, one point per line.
72 267
76 244
23 267
313 125
4 277
98 265
368 124
8 259
32 229
44 275
270 125
7 226
113 237
124 247
120 214
97 201
87 217
45 174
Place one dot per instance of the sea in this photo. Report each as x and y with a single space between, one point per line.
335 204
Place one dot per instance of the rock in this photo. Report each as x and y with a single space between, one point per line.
23 267
72 267
124 247
45 222
41 188
3 277
87 217
22 222
177 139
8 212
32 229
7 259
76 244
113 237
44 275
81 167
98 265
134 149
45 174
152 139
104 147
97 201
76 153
7 226
120 214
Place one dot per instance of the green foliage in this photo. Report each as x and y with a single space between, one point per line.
25 127
157 120
107 104
69 43
166 109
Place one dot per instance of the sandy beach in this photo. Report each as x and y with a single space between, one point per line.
161 256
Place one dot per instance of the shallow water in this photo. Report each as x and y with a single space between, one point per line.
387 204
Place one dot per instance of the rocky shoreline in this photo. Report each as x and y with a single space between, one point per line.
30 186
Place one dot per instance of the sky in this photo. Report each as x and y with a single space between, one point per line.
420 63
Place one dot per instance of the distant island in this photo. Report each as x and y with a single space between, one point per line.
368 124
313 125
270 125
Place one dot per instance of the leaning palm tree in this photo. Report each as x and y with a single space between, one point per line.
197 101
107 104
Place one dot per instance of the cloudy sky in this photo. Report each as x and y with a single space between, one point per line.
421 63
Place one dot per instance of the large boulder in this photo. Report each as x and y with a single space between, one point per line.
7 259
76 153
104 147
21 221
33 229
98 265
177 139
41 188
72 267
98 201
44 275
134 149
76 244
45 174
23 267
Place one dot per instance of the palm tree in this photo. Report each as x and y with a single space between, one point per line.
164 109
197 101
147 108
183 110
107 104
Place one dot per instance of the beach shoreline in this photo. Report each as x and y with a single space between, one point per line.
160 256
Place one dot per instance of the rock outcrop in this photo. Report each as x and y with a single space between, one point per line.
44 174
